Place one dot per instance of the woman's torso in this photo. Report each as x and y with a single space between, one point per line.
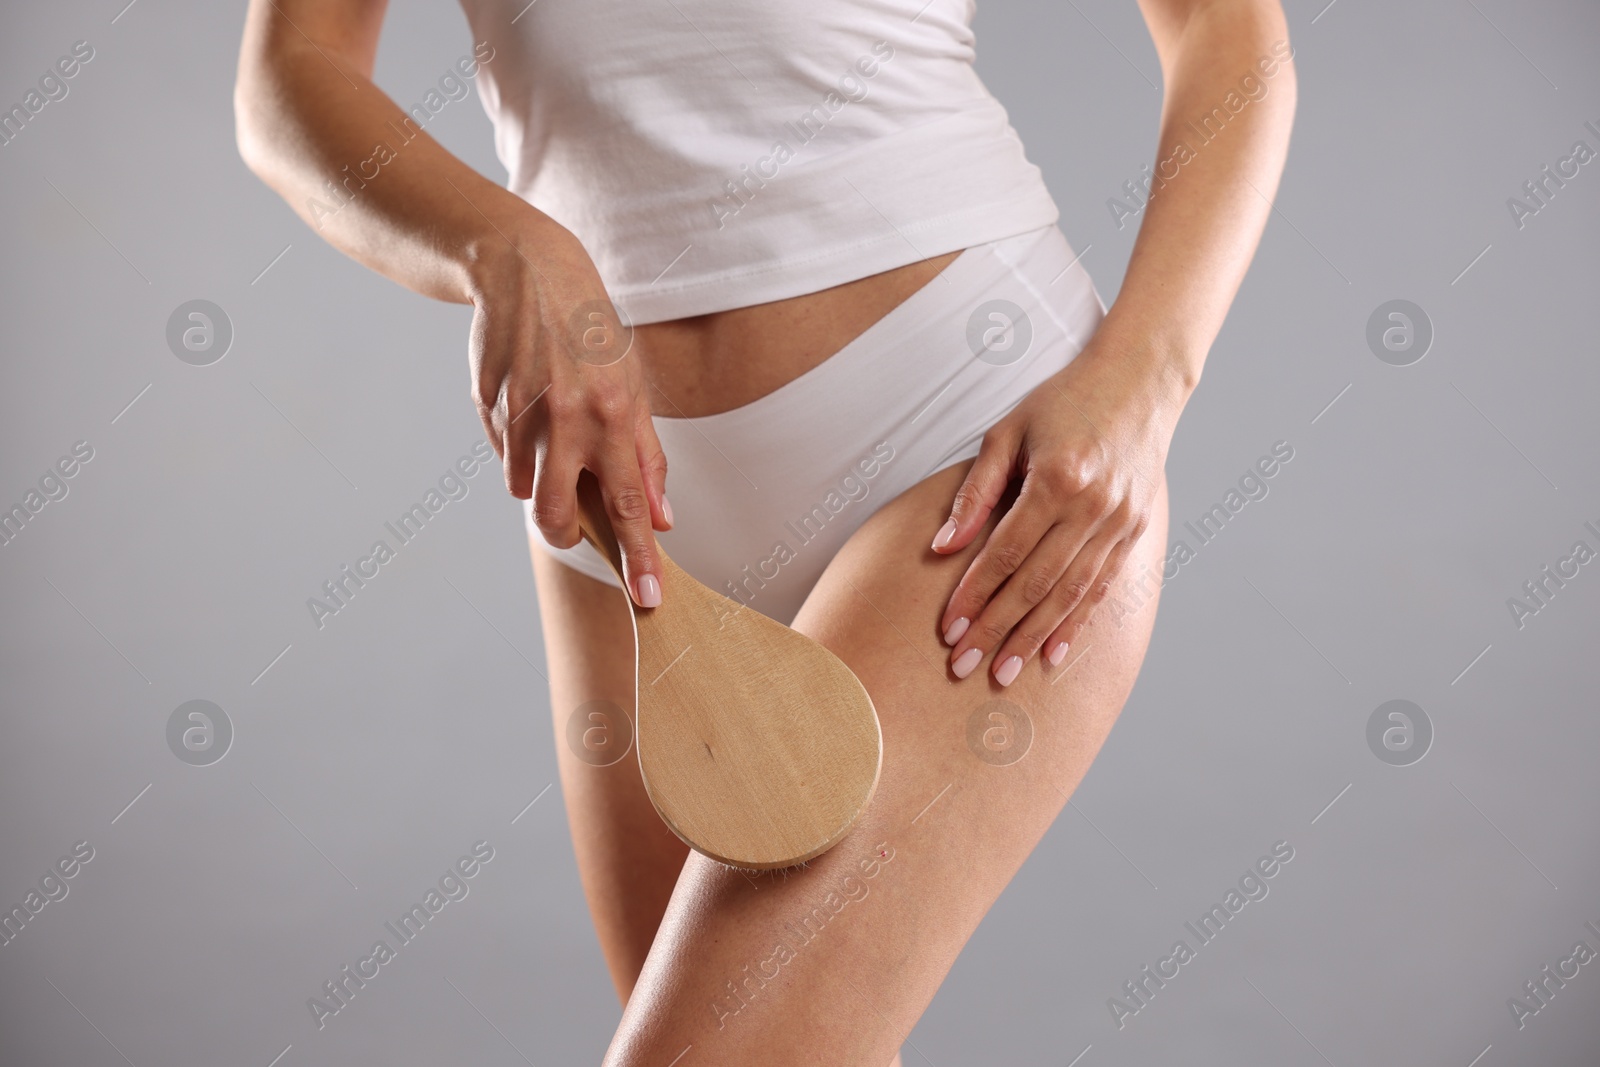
719 361
757 182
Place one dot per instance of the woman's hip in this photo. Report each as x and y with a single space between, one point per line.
766 493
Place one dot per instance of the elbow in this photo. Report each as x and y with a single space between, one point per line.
247 133
253 88
262 95
244 140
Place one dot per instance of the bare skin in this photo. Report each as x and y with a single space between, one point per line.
872 969
704 365
1003 560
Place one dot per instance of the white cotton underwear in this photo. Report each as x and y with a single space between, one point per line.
765 494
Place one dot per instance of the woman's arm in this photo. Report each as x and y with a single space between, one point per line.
347 159
1090 444
1203 224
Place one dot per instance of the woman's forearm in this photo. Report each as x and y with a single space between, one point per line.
316 129
350 162
1225 120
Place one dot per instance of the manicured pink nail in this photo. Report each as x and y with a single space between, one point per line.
1009 670
946 532
1058 654
666 508
957 628
965 662
649 591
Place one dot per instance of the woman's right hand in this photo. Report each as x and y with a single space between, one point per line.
560 391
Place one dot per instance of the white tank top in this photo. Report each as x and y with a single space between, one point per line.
713 154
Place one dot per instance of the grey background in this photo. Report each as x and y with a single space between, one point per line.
375 752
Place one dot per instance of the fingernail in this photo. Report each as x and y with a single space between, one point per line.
649 591
965 662
666 508
1009 670
946 532
957 628
1058 654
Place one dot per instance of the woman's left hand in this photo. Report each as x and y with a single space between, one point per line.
1089 445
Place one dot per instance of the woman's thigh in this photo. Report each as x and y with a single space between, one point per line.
627 858
835 962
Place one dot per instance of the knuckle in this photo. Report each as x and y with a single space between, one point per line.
1036 586
1102 589
629 503
1069 477
551 519
1004 559
1073 590
518 399
560 404
1027 640
991 631
610 404
966 500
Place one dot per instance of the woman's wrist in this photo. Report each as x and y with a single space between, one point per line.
1154 379
511 251
1163 351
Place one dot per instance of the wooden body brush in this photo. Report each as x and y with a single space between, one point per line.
758 747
